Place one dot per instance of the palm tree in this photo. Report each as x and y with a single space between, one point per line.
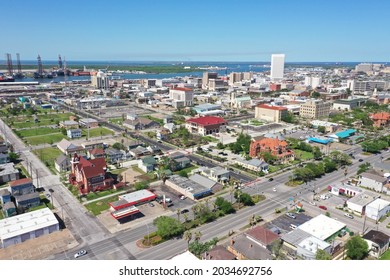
187 236
198 235
178 212
185 216
231 190
195 209
206 200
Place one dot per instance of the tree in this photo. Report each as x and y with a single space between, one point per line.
363 168
198 235
321 129
323 255
168 227
187 236
242 144
220 146
276 246
119 146
183 173
63 131
317 153
140 186
288 118
246 199
357 248
225 206
268 157
14 157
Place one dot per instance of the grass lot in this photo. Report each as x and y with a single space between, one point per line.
256 122
96 132
36 131
386 255
157 120
210 139
45 139
116 120
118 171
187 169
92 195
97 207
303 155
48 156
28 121
1 215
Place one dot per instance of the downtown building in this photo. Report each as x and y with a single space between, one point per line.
277 67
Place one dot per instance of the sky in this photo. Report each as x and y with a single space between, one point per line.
197 30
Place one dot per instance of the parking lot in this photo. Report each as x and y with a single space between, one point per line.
283 222
174 196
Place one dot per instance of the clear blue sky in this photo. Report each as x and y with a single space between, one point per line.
197 30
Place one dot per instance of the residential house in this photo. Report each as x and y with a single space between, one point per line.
262 236
92 144
178 161
68 147
253 164
69 124
74 133
170 127
378 242
154 150
218 252
21 186
28 200
89 123
9 209
5 196
96 153
4 158
114 155
373 180
162 134
140 124
147 164
274 146
139 152
247 249
90 175
217 174
3 148
206 125
8 172
62 163
381 119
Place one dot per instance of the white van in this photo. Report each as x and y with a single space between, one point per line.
293 226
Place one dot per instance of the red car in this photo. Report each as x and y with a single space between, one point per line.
323 207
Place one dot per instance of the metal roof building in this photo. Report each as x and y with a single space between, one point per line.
27 226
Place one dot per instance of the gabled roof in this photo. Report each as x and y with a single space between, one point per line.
61 159
96 151
93 167
381 116
20 182
377 237
66 145
207 120
262 234
270 143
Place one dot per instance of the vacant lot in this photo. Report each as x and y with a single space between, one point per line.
36 131
96 132
45 139
48 156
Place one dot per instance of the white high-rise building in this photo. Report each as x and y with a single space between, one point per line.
277 66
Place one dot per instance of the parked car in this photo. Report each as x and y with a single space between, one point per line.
360 159
348 215
274 189
182 197
292 216
323 207
151 204
80 254
271 179
312 203
184 211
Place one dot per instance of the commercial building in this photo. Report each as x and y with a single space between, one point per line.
314 109
253 164
367 86
270 113
206 125
100 80
182 97
27 226
126 204
194 187
358 203
277 66
373 180
89 123
348 104
313 82
377 209
206 77
322 227
381 119
277 148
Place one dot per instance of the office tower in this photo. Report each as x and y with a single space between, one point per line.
277 66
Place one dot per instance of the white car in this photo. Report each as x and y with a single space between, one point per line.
274 189
292 216
312 203
80 254
348 215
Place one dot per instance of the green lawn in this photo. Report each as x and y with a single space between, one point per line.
45 139
96 132
386 255
118 171
116 120
28 121
303 155
48 156
97 207
1 215
187 169
36 131
92 195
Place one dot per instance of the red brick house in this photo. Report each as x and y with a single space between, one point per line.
90 175
276 147
381 119
206 125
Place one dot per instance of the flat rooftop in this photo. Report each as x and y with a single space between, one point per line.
322 227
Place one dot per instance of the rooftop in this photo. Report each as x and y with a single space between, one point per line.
7 168
271 107
379 204
20 182
377 237
137 196
23 223
207 120
322 227
362 199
